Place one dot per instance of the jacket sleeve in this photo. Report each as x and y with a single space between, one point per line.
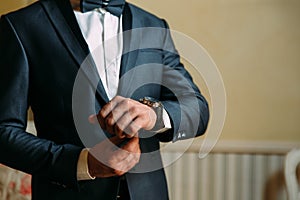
19 149
187 108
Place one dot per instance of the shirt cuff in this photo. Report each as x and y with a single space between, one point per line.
166 121
82 166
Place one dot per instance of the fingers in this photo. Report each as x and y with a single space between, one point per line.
106 161
110 106
117 115
126 165
109 115
121 166
121 125
126 126
102 116
132 153
131 148
125 117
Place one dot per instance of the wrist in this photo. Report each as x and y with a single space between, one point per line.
158 109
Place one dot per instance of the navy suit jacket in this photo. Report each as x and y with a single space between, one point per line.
41 51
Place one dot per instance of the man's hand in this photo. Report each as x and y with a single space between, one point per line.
106 159
124 117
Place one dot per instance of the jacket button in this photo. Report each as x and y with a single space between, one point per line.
181 134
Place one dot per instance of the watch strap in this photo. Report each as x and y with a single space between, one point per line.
158 109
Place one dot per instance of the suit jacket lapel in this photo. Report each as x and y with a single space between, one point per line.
130 51
63 19
127 26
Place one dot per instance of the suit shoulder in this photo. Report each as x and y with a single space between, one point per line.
25 19
147 17
30 9
24 14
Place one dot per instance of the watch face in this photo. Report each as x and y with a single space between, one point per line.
150 99
150 102
157 106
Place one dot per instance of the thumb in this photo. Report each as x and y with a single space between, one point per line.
93 119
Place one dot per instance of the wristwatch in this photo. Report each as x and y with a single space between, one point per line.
158 109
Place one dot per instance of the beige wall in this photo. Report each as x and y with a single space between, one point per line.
256 44
9 5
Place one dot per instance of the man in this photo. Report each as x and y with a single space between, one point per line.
69 62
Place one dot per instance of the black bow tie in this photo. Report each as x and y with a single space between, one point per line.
115 7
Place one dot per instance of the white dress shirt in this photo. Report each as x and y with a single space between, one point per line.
103 34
